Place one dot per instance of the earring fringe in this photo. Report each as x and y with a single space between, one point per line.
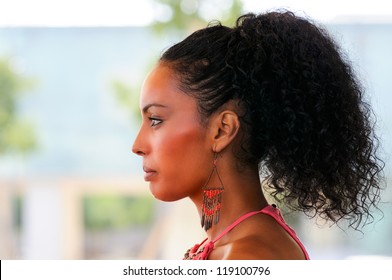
212 198
211 207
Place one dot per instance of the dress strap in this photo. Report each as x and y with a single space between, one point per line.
277 215
236 222
201 253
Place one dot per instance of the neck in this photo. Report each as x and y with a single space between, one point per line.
242 194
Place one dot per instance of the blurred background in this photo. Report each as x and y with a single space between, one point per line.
70 75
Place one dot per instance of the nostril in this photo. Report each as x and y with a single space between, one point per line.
137 151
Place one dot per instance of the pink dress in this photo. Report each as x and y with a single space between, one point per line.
198 252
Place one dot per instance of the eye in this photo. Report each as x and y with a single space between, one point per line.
154 121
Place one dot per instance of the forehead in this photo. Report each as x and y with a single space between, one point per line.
161 86
160 76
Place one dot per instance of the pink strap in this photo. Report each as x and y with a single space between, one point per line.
269 210
239 220
275 213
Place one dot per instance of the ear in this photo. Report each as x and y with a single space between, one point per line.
224 129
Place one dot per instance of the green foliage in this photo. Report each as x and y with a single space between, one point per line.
175 19
17 207
186 16
16 135
128 97
179 18
116 212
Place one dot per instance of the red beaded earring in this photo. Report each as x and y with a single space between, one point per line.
210 209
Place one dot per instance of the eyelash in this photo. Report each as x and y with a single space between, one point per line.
155 121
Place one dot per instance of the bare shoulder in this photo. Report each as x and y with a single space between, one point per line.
256 248
261 238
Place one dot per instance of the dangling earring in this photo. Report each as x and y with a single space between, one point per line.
210 209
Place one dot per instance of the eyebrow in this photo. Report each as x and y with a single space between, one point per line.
148 106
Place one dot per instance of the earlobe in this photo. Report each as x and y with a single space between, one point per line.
226 126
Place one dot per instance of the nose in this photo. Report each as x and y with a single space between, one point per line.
137 147
137 151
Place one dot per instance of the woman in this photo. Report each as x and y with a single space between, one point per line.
271 98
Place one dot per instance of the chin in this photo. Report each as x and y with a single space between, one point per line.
162 195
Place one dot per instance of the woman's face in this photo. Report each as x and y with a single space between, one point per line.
177 155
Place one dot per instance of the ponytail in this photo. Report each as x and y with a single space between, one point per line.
305 119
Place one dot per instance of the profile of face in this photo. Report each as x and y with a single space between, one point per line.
172 141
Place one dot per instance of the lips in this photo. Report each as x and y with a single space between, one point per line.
148 173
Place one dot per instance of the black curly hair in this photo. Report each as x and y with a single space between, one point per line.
305 119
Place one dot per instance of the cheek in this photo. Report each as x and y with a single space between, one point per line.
182 158
183 141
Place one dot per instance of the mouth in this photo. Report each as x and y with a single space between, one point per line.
148 173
